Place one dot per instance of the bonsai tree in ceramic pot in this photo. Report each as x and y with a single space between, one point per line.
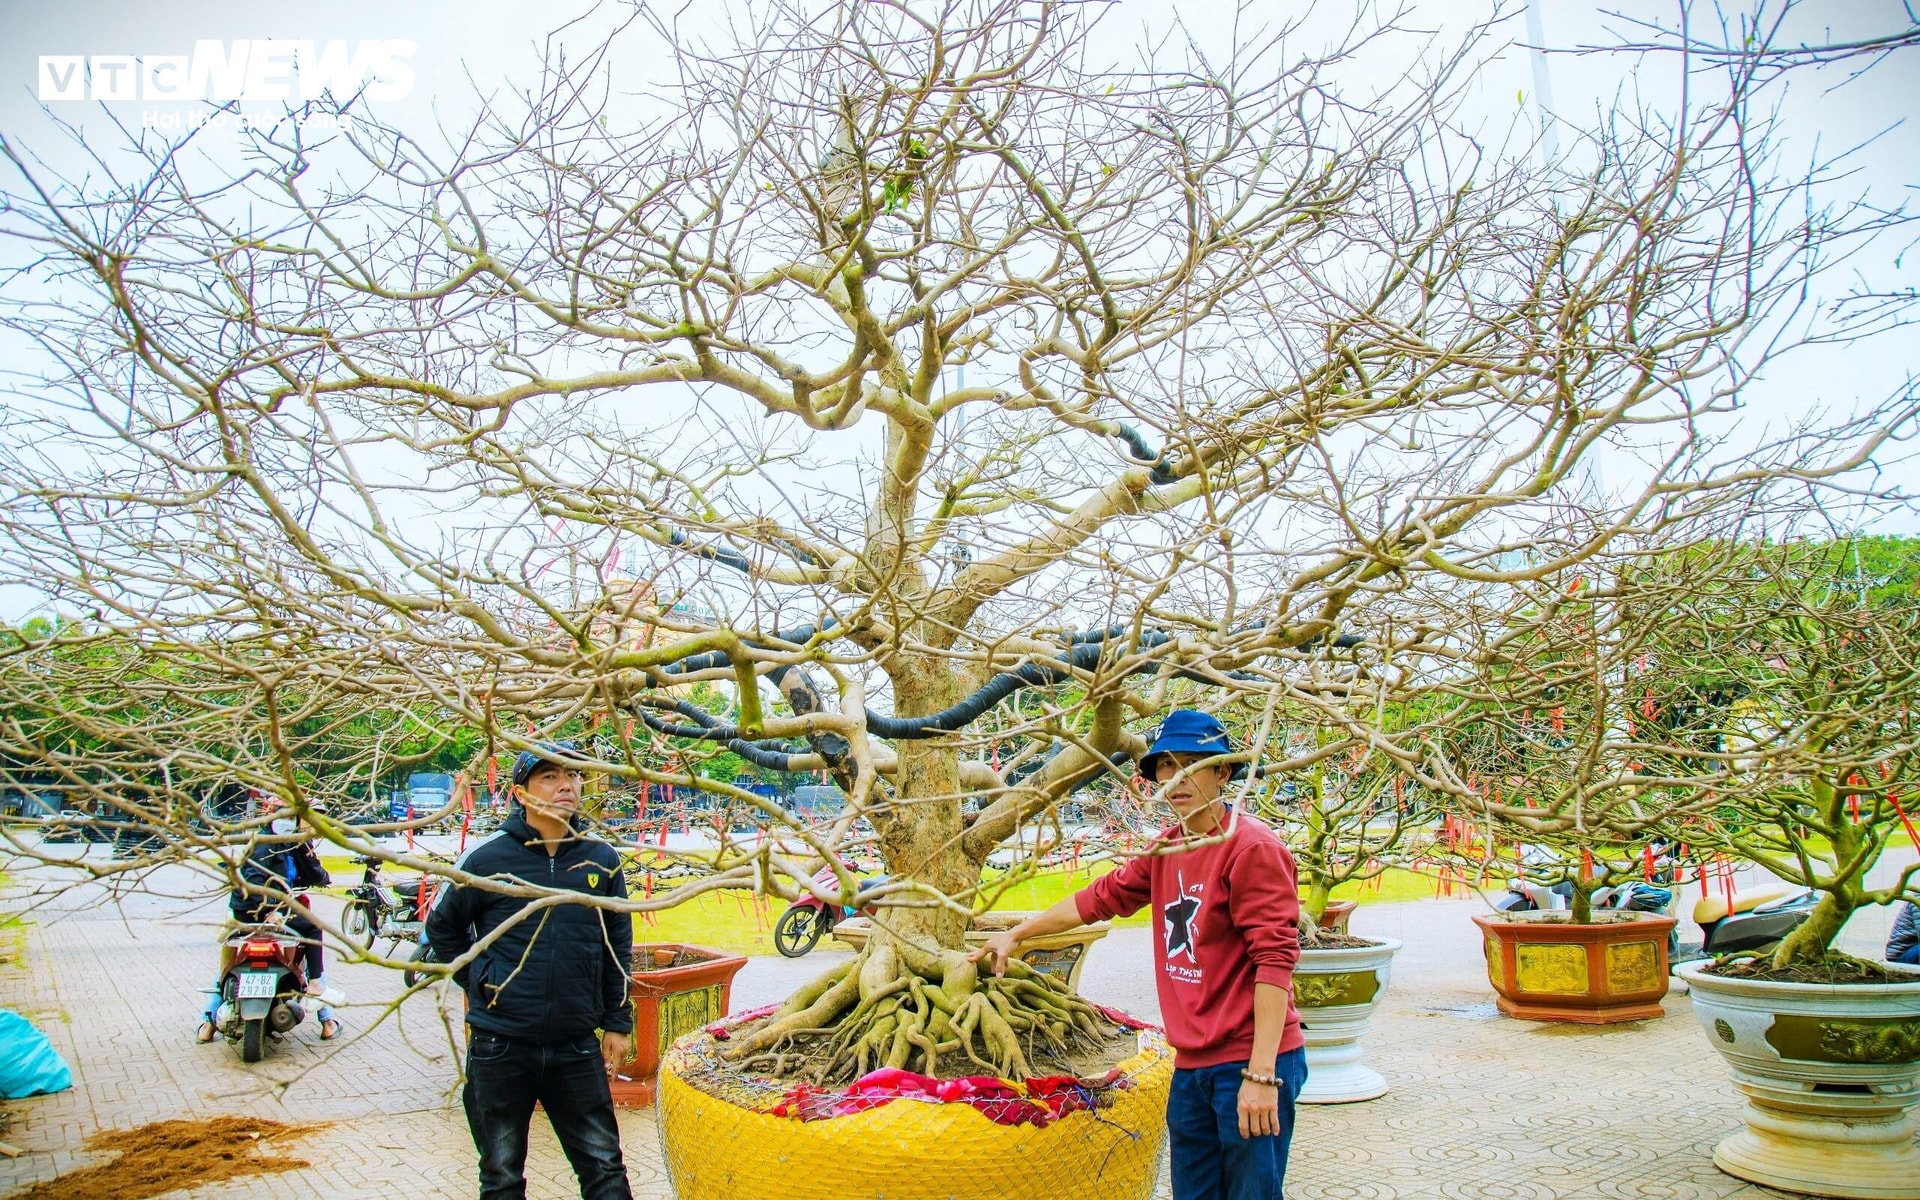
1823 640
1571 783
1345 816
880 367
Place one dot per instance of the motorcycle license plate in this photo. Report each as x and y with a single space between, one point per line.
259 985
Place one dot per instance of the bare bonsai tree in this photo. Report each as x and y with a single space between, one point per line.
1574 742
913 359
1347 817
1810 661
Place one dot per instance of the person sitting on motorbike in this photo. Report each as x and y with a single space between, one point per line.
1904 944
270 877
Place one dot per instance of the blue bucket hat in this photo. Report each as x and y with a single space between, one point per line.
1190 731
527 762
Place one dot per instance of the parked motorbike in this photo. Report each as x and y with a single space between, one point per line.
1525 895
1757 919
1543 885
378 911
262 988
809 918
1533 891
422 952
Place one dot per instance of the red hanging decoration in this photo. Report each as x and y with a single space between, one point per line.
1912 836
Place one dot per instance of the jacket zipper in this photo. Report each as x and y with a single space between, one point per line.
552 879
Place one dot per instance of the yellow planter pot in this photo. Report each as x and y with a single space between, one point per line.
912 1149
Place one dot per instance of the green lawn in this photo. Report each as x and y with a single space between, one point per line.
743 924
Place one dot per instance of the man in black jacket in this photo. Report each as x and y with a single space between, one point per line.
541 988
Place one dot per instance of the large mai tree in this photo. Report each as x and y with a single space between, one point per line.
896 367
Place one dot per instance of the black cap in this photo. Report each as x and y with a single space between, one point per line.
528 761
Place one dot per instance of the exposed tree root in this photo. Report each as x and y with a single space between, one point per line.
933 1014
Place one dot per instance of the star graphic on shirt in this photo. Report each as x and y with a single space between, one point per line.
1180 914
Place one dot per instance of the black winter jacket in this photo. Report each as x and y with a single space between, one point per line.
275 869
560 972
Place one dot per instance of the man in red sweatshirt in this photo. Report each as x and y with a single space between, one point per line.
1226 907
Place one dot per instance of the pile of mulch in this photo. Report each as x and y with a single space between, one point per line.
168 1155
1336 941
1834 968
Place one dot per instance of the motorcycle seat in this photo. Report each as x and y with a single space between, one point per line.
1713 908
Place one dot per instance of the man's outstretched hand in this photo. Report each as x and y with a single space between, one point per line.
1064 915
997 950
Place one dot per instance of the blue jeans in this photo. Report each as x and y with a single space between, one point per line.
1211 1161
1910 957
568 1079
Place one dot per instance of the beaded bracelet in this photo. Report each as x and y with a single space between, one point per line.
1252 1076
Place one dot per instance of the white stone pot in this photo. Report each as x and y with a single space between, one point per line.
1829 1071
1336 992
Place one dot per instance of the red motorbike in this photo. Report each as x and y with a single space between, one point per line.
261 987
809 918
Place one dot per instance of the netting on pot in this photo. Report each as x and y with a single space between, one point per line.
729 1132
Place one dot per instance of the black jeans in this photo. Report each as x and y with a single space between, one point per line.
569 1080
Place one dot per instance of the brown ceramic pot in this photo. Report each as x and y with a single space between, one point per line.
1546 968
676 989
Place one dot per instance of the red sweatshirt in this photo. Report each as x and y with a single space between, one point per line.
1225 917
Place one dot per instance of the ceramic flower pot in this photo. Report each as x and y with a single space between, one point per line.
1546 968
1061 955
1830 1072
1336 992
676 989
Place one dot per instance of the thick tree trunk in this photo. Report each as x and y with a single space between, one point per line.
1807 945
1314 901
920 836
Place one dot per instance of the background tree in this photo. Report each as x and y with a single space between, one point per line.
1578 732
